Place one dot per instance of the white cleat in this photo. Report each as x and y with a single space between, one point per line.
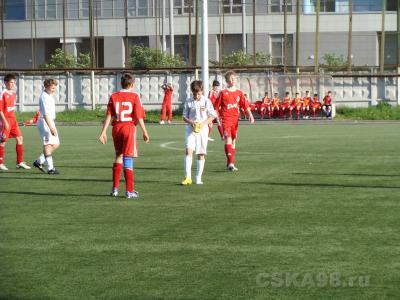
232 168
211 139
198 181
169 122
162 122
3 167
23 165
130 195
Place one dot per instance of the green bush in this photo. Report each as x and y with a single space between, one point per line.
240 58
58 60
144 57
383 111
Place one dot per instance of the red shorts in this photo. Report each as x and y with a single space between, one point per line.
230 130
124 136
317 106
285 106
12 132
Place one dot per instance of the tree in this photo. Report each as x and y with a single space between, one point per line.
333 60
58 60
145 57
240 58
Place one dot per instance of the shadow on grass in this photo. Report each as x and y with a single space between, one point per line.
323 185
347 174
53 194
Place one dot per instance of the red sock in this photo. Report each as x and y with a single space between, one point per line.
20 153
233 152
228 153
129 174
117 167
1 155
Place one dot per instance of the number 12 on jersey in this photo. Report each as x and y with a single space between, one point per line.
124 111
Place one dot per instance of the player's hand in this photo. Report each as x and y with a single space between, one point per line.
53 131
103 138
6 125
146 137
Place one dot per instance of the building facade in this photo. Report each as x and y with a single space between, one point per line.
33 29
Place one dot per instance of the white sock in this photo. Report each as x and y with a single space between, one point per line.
49 160
200 168
41 159
188 166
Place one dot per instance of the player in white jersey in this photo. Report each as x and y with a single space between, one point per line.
198 113
47 128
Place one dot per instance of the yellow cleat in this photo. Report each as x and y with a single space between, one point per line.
187 181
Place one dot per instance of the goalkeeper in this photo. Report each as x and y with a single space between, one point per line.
198 113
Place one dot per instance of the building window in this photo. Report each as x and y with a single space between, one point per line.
232 6
46 9
138 8
15 9
373 5
278 49
181 7
277 6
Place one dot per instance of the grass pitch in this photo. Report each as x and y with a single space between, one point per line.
313 213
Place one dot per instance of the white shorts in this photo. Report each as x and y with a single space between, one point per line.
45 134
197 141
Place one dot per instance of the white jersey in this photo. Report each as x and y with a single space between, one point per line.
47 106
198 110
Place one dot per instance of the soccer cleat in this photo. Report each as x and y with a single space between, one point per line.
232 168
38 165
114 192
130 195
3 167
23 165
211 139
162 122
187 181
53 172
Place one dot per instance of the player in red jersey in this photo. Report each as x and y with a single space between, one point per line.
229 102
34 120
285 106
8 123
306 107
213 96
265 106
124 110
167 103
315 105
275 105
327 105
297 102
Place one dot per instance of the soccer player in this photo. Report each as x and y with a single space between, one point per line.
285 104
34 120
265 106
229 102
297 102
198 113
327 105
213 96
275 104
8 123
316 105
124 110
47 128
306 104
167 103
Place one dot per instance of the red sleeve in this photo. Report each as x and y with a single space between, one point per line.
243 103
218 101
138 110
110 107
2 103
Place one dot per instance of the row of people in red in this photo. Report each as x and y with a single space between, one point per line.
302 106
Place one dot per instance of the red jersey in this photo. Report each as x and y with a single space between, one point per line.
276 101
228 103
8 101
286 100
125 107
306 101
297 101
168 95
266 100
327 100
315 100
213 96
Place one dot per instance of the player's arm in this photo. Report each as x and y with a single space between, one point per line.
185 115
4 120
146 137
211 113
103 134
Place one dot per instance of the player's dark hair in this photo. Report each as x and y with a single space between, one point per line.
215 83
287 93
315 95
329 92
196 86
127 80
297 93
9 77
229 74
49 82
266 94
307 91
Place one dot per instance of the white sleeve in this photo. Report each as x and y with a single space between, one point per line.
186 109
210 109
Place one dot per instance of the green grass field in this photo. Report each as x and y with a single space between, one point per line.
313 213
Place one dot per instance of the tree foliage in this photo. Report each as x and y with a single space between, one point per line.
145 57
59 60
333 60
240 58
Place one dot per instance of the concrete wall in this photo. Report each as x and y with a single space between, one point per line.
74 90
